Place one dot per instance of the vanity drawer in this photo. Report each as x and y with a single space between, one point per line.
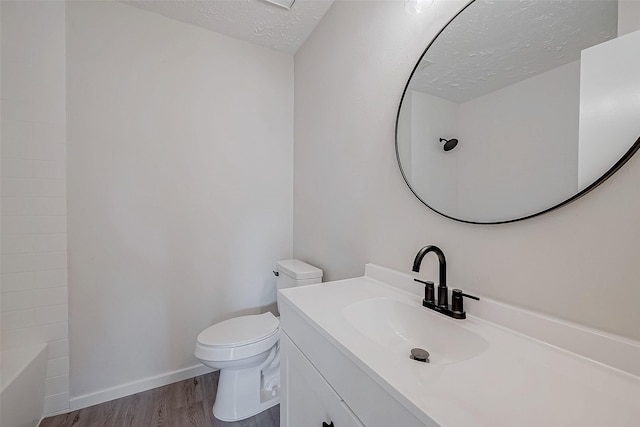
307 399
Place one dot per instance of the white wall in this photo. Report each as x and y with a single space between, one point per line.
535 122
609 104
434 171
404 134
628 16
180 156
352 206
34 224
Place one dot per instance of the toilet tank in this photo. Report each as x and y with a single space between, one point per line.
293 272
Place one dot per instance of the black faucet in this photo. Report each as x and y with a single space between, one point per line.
456 311
443 292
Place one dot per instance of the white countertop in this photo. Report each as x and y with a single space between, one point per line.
516 381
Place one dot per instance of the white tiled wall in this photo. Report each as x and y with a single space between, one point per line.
34 304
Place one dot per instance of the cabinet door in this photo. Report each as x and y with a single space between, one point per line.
306 399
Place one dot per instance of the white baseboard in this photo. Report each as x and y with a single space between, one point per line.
95 398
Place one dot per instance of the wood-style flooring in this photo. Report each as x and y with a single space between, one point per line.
183 404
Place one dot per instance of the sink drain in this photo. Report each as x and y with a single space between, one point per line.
420 355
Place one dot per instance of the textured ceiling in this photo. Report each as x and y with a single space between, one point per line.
255 21
493 44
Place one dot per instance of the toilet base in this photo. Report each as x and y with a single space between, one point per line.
242 413
243 393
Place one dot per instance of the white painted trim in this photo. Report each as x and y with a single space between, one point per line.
52 414
608 349
106 395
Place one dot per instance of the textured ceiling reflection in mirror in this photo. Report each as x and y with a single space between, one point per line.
493 44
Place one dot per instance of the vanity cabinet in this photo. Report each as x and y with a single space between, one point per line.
321 384
345 357
308 400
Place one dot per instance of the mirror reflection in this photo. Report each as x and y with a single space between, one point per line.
518 106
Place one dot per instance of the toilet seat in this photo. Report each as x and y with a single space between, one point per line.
239 330
238 338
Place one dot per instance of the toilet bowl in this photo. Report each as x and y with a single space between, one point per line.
246 350
242 348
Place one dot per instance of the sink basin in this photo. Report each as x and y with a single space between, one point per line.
398 327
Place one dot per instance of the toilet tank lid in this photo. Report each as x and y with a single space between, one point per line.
298 270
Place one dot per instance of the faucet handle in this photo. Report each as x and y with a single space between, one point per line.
457 302
429 293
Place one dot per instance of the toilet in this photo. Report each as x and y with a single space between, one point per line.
246 350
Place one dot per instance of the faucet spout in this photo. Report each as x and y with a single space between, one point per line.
443 292
441 260
456 310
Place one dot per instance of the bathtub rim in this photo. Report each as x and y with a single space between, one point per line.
16 360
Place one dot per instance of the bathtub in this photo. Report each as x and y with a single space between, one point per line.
22 392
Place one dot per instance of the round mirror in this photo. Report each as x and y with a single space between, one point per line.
519 107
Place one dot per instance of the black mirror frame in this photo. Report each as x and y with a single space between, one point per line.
624 159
